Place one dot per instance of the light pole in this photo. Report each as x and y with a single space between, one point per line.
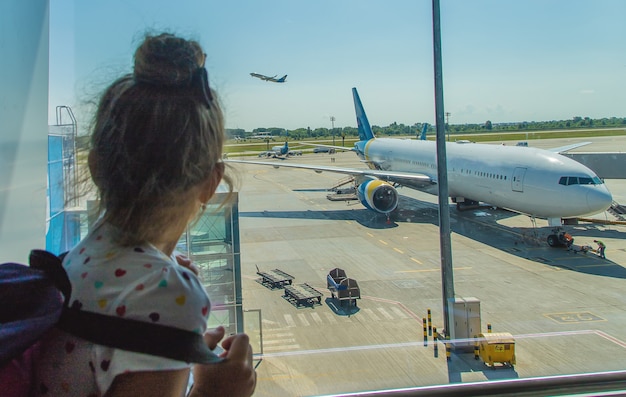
332 122
445 244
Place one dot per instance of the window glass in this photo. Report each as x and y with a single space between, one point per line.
291 221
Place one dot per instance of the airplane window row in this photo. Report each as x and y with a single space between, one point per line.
579 180
484 174
490 175
420 163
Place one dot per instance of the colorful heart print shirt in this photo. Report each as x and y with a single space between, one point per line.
139 283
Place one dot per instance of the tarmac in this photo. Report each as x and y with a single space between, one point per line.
565 310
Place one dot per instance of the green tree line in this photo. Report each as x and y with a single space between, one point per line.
399 129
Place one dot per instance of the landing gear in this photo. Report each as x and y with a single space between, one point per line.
553 240
466 205
560 238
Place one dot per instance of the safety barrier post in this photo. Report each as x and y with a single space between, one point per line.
488 328
429 323
476 348
435 342
448 348
425 332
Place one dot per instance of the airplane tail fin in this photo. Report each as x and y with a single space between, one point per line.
365 131
282 79
423 134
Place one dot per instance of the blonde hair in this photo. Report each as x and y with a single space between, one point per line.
157 138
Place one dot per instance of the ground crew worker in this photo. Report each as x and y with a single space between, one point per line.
601 248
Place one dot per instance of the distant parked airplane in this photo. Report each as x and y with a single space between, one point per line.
268 78
280 152
540 183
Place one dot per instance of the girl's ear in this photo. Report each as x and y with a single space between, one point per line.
212 182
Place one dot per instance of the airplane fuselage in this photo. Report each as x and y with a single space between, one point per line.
527 180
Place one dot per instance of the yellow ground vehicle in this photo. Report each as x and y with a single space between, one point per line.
497 347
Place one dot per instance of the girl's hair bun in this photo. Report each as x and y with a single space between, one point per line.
167 60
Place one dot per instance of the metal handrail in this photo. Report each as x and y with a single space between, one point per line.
611 383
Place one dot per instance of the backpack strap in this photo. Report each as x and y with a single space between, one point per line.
137 336
53 267
121 333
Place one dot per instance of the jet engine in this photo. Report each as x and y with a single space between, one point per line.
378 196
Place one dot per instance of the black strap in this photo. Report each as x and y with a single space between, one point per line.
121 333
53 267
137 336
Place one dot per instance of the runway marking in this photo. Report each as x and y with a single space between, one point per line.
280 335
599 265
285 347
398 250
573 317
302 318
611 338
277 341
416 260
369 234
404 345
289 320
371 313
569 258
398 312
316 317
383 242
400 304
385 314
331 318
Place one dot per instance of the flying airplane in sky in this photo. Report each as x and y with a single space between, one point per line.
539 183
280 152
268 78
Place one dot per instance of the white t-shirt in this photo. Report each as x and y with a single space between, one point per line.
140 283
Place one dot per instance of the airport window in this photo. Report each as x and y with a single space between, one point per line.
288 225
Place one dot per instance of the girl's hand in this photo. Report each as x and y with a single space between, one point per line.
187 263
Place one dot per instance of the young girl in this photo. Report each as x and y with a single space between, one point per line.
155 157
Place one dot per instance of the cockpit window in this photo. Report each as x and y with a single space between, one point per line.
583 180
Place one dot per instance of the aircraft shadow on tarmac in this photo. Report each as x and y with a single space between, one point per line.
480 225
361 215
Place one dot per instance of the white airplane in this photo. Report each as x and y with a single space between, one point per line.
280 152
536 182
269 78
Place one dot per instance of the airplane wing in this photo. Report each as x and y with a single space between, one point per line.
568 147
400 178
262 76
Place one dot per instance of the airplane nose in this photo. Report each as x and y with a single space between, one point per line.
598 200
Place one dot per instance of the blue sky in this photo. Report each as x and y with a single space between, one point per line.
503 60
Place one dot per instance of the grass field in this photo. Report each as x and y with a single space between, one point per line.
253 148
